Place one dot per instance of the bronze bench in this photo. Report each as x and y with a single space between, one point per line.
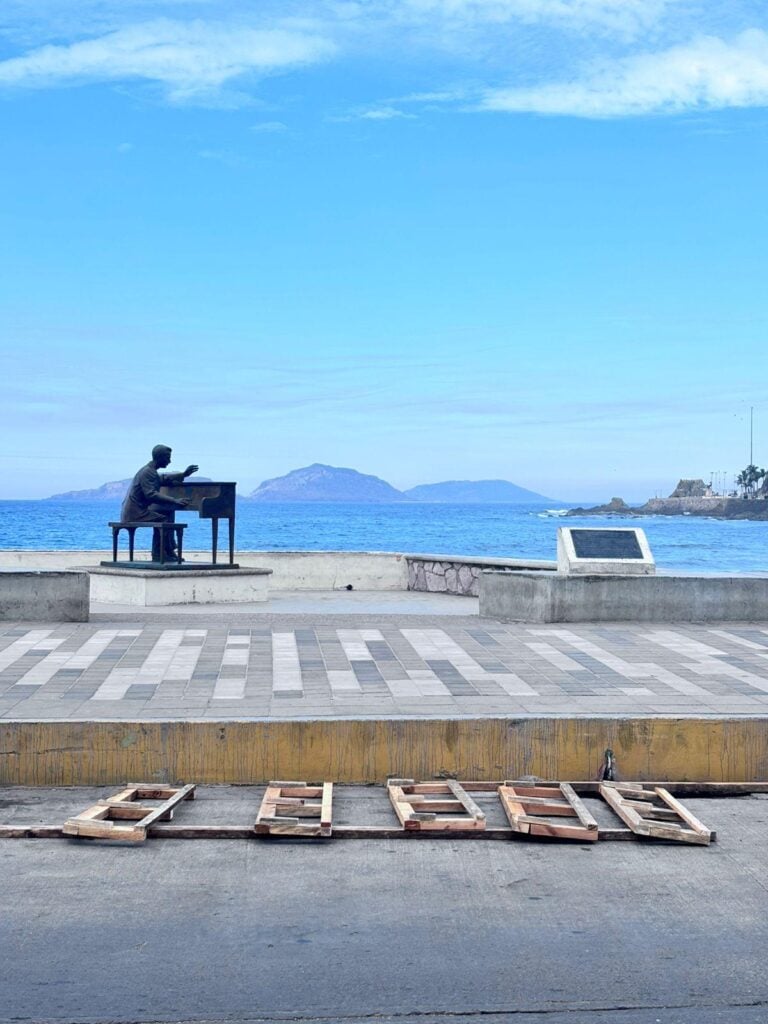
177 528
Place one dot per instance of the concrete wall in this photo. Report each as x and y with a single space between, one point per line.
555 597
51 596
291 570
101 753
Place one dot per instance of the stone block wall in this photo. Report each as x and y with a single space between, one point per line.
444 577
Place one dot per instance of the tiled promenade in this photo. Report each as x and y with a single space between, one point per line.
235 666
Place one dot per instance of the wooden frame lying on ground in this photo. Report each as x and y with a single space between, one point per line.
104 813
285 805
423 806
527 808
99 820
654 812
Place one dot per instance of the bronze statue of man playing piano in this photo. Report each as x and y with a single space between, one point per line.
145 503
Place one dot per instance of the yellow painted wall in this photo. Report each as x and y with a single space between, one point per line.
94 753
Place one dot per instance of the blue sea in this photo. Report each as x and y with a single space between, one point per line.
680 543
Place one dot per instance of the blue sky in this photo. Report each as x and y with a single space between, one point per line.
427 239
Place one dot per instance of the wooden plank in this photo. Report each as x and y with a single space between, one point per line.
465 800
296 810
326 809
544 807
125 809
301 792
130 793
584 816
539 827
398 801
436 805
513 809
105 830
628 815
688 817
552 792
166 806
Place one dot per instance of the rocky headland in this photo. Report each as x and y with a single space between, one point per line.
689 498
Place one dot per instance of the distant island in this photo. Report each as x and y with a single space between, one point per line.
115 490
319 482
689 498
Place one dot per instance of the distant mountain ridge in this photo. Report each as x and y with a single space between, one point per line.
319 482
115 490
326 483
467 492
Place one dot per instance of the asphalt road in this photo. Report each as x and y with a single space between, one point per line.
388 930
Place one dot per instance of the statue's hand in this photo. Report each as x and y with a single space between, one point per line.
182 503
190 470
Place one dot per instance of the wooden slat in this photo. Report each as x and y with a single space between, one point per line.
584 816
301 792
513 809
465 800
435 805
167 806
326 808
688 817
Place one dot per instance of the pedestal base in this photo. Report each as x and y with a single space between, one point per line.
172 566
160 585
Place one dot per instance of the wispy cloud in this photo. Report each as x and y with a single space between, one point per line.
190 60
382 113
707 73
626 16
582 58
268 128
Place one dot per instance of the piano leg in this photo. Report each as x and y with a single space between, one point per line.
215 537
232 541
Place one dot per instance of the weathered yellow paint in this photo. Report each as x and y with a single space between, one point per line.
94 753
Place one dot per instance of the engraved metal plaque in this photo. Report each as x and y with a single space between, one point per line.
606 544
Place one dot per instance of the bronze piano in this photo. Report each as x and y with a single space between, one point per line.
212 500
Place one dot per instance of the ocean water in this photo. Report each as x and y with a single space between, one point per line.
680 543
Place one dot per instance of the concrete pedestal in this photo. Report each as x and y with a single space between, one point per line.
559 597
154 588
43 596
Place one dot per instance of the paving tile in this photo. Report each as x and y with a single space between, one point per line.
324 666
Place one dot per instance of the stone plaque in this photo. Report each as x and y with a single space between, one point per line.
614 551
606 544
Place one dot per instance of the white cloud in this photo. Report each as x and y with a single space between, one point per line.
268 128
618 15
189 59
705 74
383 114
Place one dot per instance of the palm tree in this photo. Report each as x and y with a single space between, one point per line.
748 480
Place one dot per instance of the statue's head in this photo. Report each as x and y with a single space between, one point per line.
161 455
